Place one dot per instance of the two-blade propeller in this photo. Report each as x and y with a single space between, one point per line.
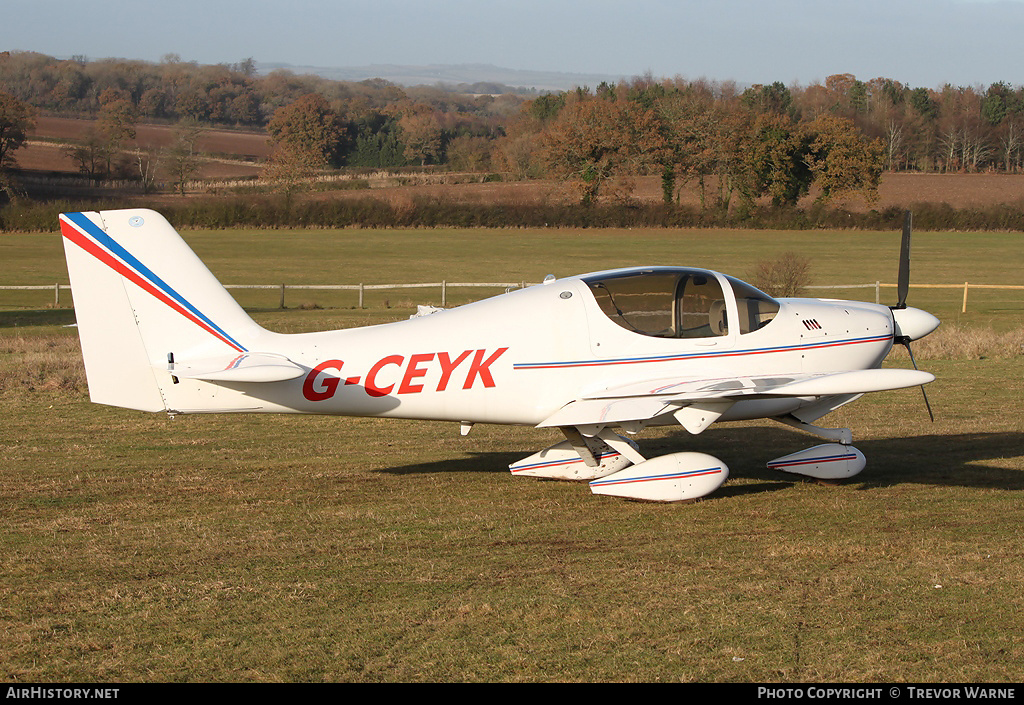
902 288
903 282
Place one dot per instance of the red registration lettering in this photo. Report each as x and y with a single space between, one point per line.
447 367
371 377
481 368
328 385
320 386
413 371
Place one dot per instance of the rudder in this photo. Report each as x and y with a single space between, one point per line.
141 294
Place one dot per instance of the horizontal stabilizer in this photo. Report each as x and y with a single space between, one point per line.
247 367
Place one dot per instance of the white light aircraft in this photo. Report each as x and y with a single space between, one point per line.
591 355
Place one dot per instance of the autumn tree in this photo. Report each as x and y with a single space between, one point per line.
843 161
308 126
306 137
691 125
592 141
735 170
17 120
767 158
469 153
421 133
518 151
115 126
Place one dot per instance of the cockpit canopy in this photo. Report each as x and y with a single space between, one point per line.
679 303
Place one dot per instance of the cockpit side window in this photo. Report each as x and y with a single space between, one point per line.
643 303
756 308
664 304
701 307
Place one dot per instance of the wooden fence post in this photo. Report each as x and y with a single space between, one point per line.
965 298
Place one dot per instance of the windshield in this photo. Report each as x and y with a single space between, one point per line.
756 308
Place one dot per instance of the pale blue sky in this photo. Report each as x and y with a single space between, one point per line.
919 42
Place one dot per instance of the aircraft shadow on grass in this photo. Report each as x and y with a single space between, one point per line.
959 460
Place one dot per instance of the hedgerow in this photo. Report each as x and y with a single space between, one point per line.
429 212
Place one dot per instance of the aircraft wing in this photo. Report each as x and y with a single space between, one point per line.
710 397
245 367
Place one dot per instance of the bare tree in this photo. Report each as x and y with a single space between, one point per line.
1011 144
148 164
182 156
785 276
893 144
975 149
90 156
290 168
950 143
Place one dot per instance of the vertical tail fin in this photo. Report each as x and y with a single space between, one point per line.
142 295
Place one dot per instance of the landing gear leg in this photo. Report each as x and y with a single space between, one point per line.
580 457
840 435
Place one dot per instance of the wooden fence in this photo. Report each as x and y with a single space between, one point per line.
57 288
877 286
508 286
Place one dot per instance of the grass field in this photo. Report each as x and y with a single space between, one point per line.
262 548
475 255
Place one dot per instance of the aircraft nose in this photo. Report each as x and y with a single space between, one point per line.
913 323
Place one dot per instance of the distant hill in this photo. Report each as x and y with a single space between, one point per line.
452 74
